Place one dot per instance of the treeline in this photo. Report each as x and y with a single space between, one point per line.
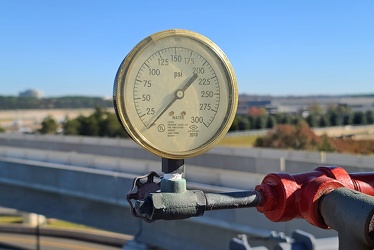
100 123
13 102
315 117
301 137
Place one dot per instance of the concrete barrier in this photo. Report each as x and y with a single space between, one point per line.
85 181
252 160
198 174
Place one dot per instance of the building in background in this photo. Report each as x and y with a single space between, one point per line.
31 93
300 104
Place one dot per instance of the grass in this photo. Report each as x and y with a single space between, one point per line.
10 219
53 223
240 141
64 224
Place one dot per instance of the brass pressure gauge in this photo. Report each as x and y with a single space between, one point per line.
175 93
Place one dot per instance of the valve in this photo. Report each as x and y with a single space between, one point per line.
286 196
139 191
169 199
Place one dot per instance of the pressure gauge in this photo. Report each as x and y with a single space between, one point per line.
175 93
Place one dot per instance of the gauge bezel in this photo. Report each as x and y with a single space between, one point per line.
122 79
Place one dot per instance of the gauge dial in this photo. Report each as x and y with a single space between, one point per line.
175 94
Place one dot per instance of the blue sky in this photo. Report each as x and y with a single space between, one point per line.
74 47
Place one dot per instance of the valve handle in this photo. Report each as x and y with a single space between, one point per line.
139 192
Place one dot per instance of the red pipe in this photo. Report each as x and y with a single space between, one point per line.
285 196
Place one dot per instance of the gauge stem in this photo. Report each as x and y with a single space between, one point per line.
172 166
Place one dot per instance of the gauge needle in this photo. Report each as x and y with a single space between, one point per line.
177 95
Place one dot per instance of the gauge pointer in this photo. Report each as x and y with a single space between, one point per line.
179 94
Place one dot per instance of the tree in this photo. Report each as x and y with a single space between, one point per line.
359 118
88 125
335 118
304 137
347 119
49 126
243 123
99 123
234 125
270 121
111 127
294 137
326 145
312 120
257 111
290 136
295 119
323 121
315 109
283 119
71 127
260 122
369 117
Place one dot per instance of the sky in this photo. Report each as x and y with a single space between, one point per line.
74 47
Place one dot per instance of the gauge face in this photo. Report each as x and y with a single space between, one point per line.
175 94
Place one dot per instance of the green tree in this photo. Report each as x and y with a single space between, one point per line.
369 117
333 118
315 109
295 119
260 122
88 125
71 127
283 119
359 118
312 120
234 125
326 145
270 121
347 119
243 123
49 126
323 121
99 123
111 127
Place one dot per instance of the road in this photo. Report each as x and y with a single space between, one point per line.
29 242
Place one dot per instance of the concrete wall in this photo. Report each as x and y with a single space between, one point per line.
255 160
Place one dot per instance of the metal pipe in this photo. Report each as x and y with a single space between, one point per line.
192 203
232 200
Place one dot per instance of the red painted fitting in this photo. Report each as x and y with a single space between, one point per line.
363 182
286 196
